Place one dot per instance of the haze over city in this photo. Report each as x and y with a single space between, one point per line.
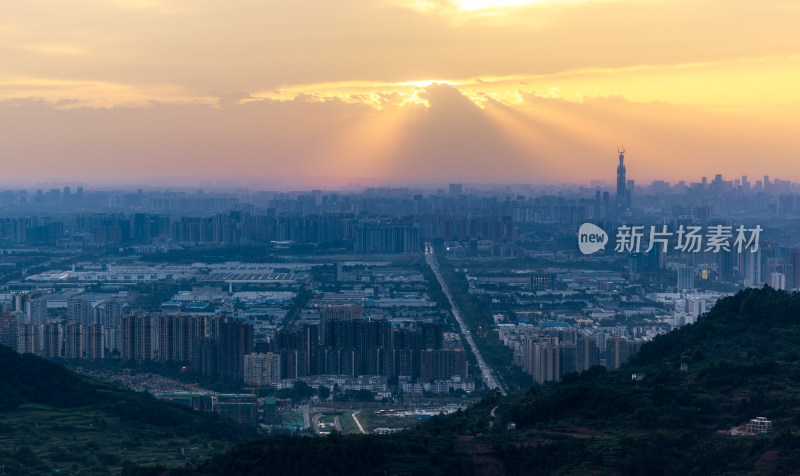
322 94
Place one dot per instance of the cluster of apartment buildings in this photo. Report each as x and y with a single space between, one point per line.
344 343
548 350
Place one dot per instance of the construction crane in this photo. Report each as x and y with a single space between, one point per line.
254 390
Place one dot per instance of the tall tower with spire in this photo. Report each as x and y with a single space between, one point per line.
622 195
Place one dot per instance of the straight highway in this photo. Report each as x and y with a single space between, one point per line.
486 372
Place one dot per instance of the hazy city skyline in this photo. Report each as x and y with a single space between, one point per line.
300 184
392 92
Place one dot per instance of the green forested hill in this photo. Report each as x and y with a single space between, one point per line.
30 379
53 419
742 362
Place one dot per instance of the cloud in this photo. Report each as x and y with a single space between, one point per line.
328 141
226 99
454 138
183 50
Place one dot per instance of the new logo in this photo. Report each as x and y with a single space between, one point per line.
591 238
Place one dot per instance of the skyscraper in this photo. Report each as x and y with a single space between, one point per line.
236 338
178 335
622 195
547 362
94 341
262 369
588 353
80 310
9 333
53 340
777 281
685 277
442 364
617 351
752 269
28 341
137 338
73 340
108 313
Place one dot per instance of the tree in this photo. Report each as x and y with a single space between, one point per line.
323 392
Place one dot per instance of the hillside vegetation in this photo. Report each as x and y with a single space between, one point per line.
53 419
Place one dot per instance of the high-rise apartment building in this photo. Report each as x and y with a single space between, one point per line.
53 340
547 364
28 338
80 310
262 369
73 340
588 353
617 351
137 338
94 338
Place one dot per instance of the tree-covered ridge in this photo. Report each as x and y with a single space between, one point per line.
29 379
357 455
753 325
52 418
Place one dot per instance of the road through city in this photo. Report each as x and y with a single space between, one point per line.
486 372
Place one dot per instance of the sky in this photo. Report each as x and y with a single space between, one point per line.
396 92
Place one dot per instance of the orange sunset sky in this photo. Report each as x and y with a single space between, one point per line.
397 92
